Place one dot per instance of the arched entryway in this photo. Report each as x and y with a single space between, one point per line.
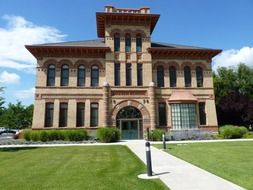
129 121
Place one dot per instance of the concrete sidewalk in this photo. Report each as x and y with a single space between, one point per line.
178 174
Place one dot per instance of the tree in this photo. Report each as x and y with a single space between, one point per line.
234 95
17 116
1 101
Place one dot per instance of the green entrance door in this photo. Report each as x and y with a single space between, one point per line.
129 121
129 129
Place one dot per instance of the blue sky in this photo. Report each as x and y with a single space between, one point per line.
223 24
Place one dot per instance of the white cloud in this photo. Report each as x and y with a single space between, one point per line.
25 94
19 32
9 78
233 57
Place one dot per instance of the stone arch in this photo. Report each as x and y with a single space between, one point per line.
173 63
81 62
96 62
144 111
50 62
187 63
160 63
114 31
200 64
141 32
65 62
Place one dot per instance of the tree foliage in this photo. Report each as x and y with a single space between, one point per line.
234 95
16 116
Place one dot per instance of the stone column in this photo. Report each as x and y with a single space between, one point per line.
106 98
72 113
152 105
56 113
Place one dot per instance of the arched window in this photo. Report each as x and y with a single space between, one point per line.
51 75
187 76
160 76
199 76
173 76
138 43
81 76
65 75
116 42
94 75
128 43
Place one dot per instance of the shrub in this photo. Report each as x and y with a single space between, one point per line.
43 136
27 135
156 135
232 132
35 135
76 135
108 134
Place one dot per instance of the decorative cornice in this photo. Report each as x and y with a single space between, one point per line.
163 52
70 51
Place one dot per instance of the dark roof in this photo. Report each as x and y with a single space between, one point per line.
83 43
100 43
173 46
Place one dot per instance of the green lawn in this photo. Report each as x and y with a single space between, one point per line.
91 168
230 160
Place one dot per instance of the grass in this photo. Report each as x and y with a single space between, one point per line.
230 160
91 168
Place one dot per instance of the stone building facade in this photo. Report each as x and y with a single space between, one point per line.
124 79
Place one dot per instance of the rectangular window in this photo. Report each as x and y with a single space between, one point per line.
63 119
117 74
80 111
81 76
49 114
139 75
128 74
162 114
94 115
183 116
202 113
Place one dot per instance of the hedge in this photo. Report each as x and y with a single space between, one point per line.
52 135
232 132
109 134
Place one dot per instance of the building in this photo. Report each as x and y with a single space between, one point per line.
124 80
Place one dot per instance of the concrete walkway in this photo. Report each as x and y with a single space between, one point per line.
178 174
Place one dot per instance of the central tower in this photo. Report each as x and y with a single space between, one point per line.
127 32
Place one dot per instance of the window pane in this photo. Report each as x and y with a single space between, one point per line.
63 115
199 76
81 76
94 76
202 113
128 43
80 112
94 115
117 74
51 75
138 44
162 114
116 42
173 76
128 74
160 76
183 116
64 75
49 114
187 76
139 75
